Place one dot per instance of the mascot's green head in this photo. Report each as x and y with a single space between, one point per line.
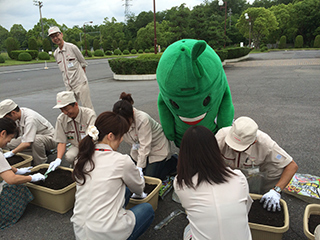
191 80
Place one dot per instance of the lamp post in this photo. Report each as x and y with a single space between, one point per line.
40 5
246 15
221 2
85 42
154 26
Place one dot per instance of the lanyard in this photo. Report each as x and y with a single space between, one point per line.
102 150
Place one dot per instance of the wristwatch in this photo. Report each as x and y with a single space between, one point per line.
277 189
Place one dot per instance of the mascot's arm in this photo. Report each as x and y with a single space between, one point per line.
166 119
226 110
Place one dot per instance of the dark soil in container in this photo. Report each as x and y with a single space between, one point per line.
149 188
314 221
15 159
260 215
56 180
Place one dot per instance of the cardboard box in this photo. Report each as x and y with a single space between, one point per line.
265 232
311 209
152 198
59 201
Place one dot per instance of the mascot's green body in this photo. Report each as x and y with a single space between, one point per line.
193 89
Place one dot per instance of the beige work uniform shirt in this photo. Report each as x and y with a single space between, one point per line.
70 130
31 124
4 166
98 212
265 153
147 139
70 62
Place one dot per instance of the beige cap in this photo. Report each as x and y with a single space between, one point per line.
7 106
242 134
53 30
65 98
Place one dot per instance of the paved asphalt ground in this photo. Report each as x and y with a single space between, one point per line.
280 90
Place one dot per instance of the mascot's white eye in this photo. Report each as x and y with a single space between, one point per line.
174 104
206 101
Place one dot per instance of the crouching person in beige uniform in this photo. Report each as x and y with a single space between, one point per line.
242 145
36 132
71 126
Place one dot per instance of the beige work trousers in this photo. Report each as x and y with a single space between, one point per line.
41 144
82 93
71 154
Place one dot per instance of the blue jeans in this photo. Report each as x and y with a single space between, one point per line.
144 216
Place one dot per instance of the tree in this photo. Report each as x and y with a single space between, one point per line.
96 44
11 44
47 45
20 34
32 44
4 34
262 21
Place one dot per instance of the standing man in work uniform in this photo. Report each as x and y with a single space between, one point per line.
73 67
71 126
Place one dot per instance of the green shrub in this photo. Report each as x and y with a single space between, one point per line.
33 53
223 54
46 45
89 53
237 52
15 54
283 42
264 49
24 56
133 51
126 52
140 51
150 56
298 42
146 50
98 53
44 56
134 65
32 44
316 43
2 60
117 52
108 53
152 50
11 45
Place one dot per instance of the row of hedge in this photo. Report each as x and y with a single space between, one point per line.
147 64
100 53
28 55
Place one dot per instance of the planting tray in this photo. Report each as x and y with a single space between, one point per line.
25 163
311 209
59 201
265 232
152 198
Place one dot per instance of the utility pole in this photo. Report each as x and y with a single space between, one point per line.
39 4
127 9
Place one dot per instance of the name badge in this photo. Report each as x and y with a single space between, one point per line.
70 64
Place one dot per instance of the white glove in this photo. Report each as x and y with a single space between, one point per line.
143 195
53 165
271 199
141 173
23 170
37 177
8 154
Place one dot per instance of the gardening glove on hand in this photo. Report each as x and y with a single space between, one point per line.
23 170
8 154
271 199
141 173
53 165
37 177
143 195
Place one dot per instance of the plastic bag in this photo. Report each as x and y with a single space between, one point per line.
256 179
304 186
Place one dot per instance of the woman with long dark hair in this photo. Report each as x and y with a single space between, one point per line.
150 147
102 175
13 197
215 197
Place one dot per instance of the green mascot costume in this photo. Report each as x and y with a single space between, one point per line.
193 89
